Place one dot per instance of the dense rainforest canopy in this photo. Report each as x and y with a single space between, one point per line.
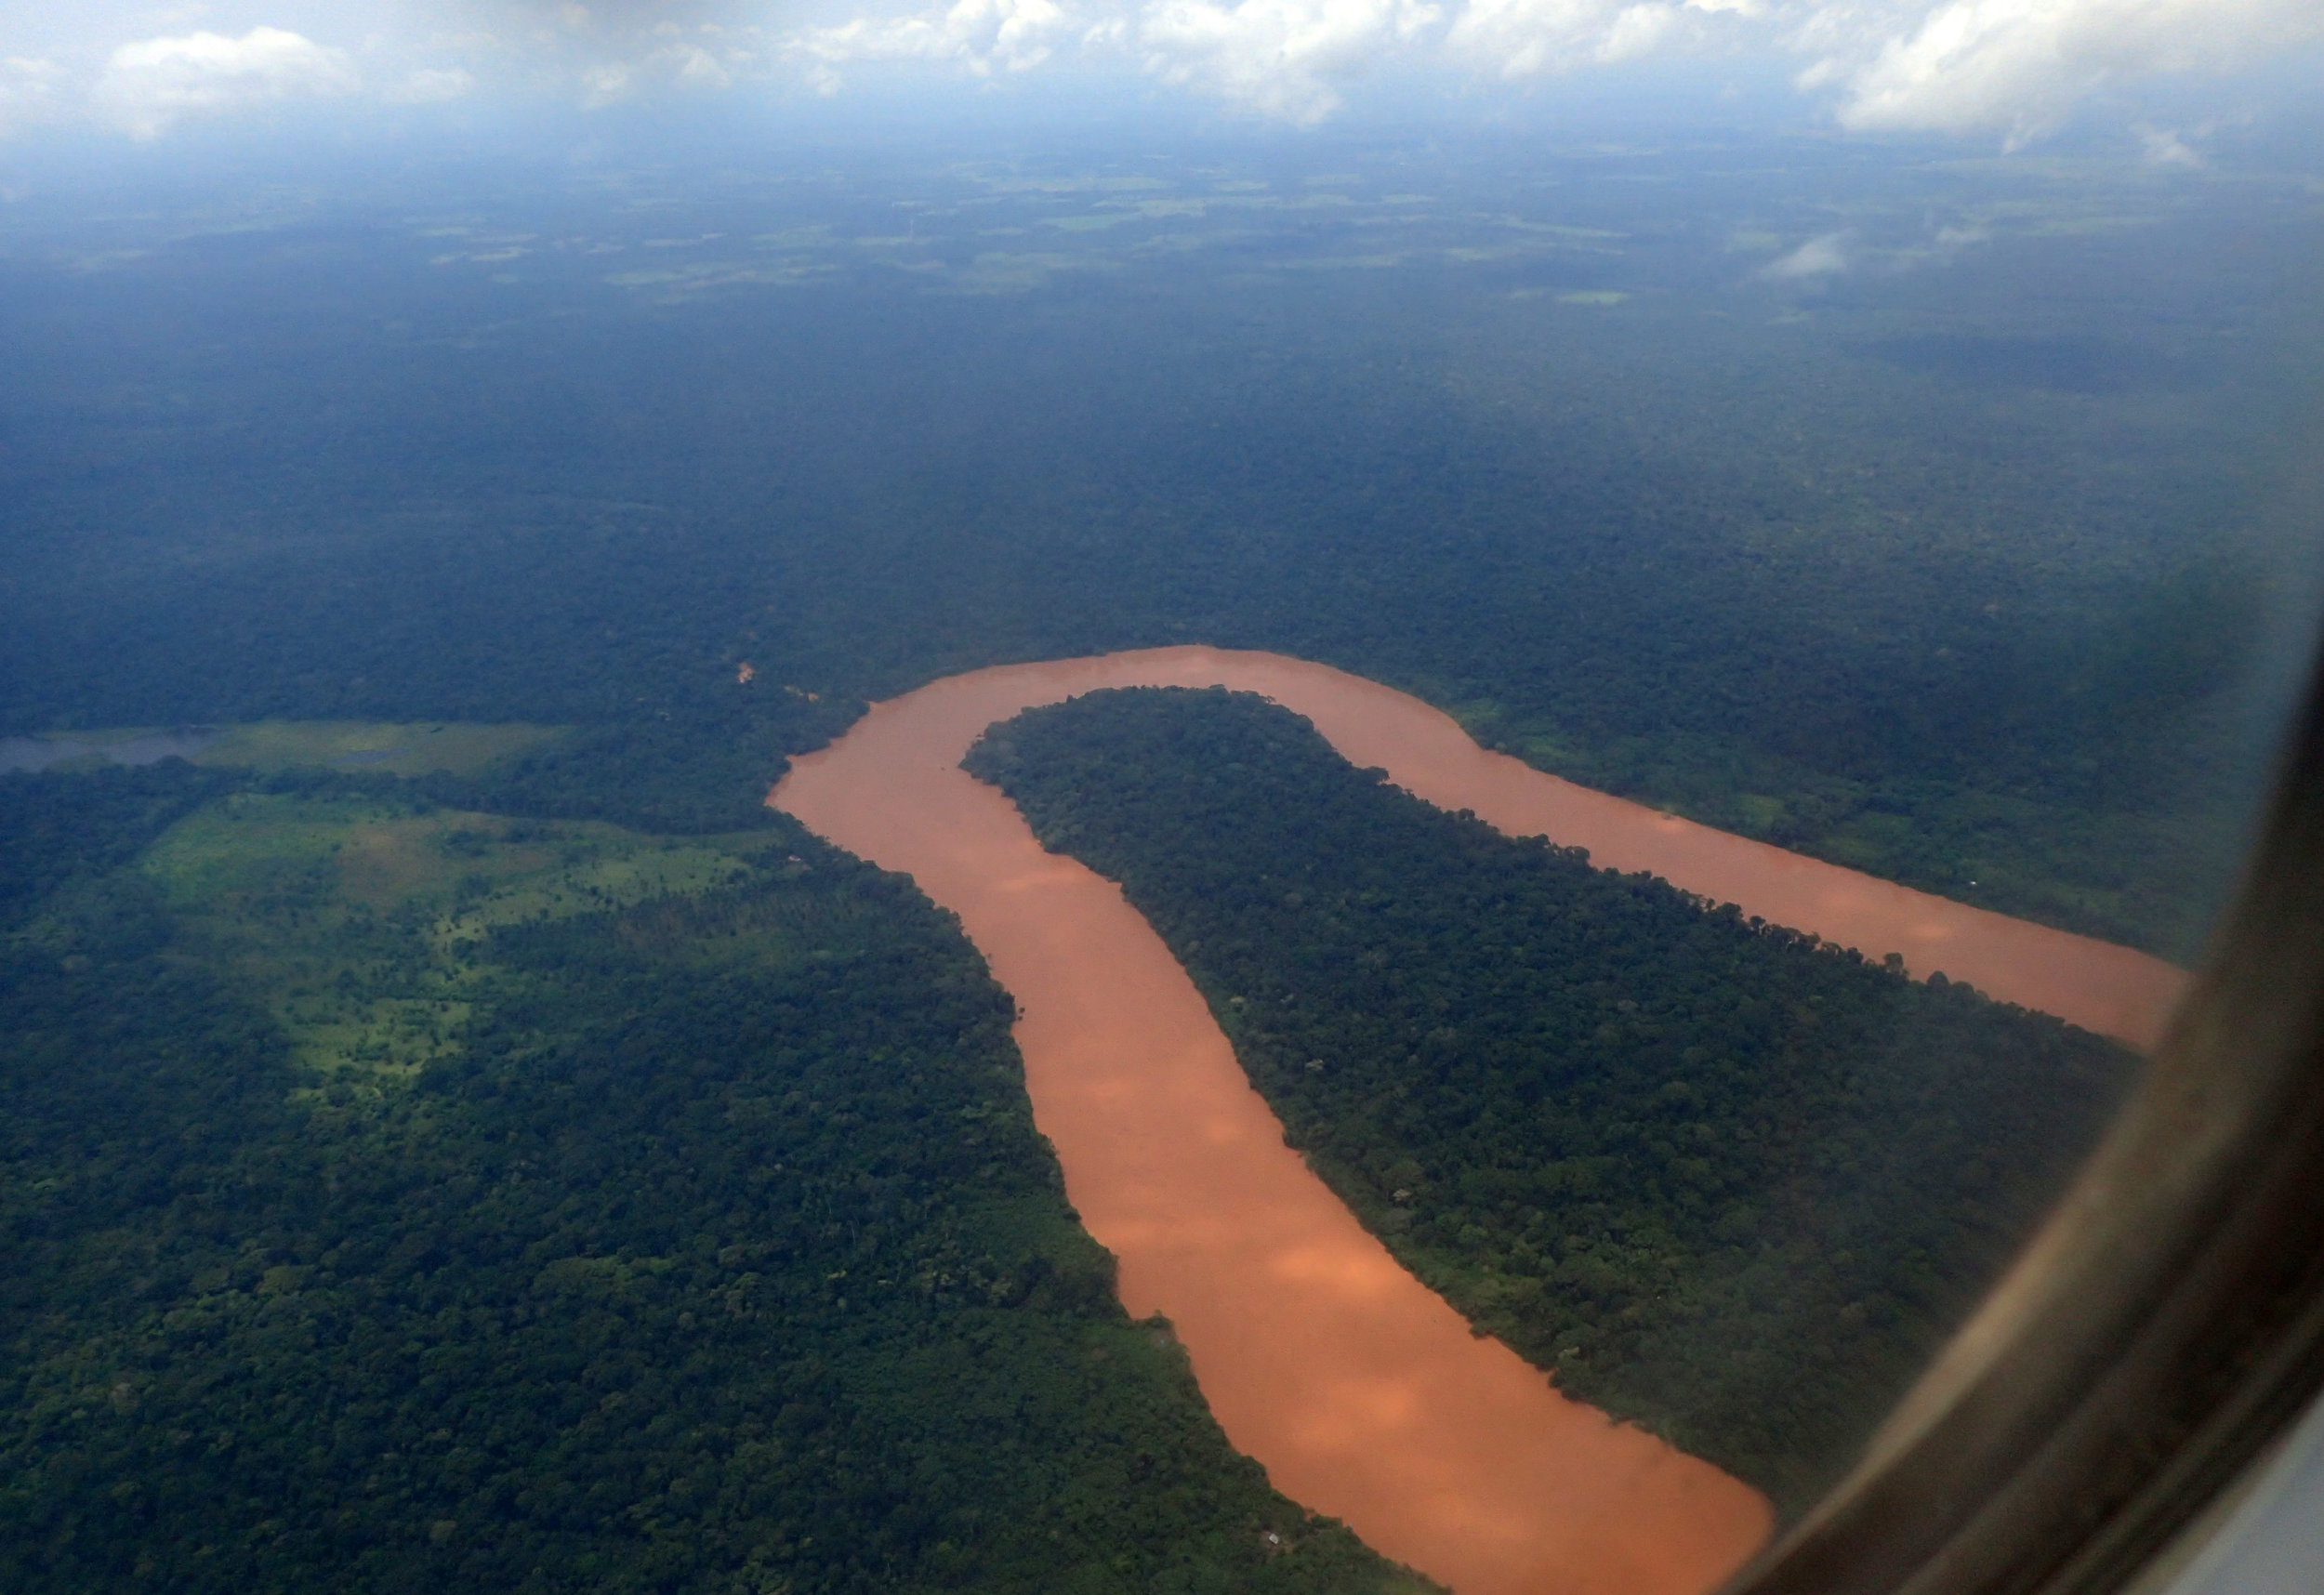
541 1167
1719 1179
391 1205
1955 567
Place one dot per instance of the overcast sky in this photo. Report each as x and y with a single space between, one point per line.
2009 72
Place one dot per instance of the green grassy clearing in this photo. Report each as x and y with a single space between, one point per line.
356 925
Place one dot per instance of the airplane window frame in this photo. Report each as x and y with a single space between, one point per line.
2164 1325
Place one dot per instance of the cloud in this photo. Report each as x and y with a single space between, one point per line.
2006 69
149 86
1523 38
1013 35
608 83
2019 67
1821 256
427 85
2015 68
2165 148
1280 57
31 90
641 16
698 68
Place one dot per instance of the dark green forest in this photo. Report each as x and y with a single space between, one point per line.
1958 569
712 1249
1720 1180
560 1172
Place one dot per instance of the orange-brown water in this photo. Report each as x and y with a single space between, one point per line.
1362 1394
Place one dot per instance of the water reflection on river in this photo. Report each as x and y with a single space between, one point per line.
1362 1394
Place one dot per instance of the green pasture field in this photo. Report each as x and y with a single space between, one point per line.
356 923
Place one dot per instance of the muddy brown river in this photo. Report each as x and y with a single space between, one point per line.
1365 1395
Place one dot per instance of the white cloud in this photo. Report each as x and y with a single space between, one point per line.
609 83
1524 38
2165 148
1279 57
700 69
426 86
2018 67
154 83
684 64
1637 31
2006 69
1820 257
2011 67
31 90
1015 35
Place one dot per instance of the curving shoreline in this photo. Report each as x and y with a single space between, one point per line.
1364 1394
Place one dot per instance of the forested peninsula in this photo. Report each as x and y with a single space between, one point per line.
402 1197
1718 1180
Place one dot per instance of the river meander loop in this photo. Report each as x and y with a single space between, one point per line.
1364 1394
